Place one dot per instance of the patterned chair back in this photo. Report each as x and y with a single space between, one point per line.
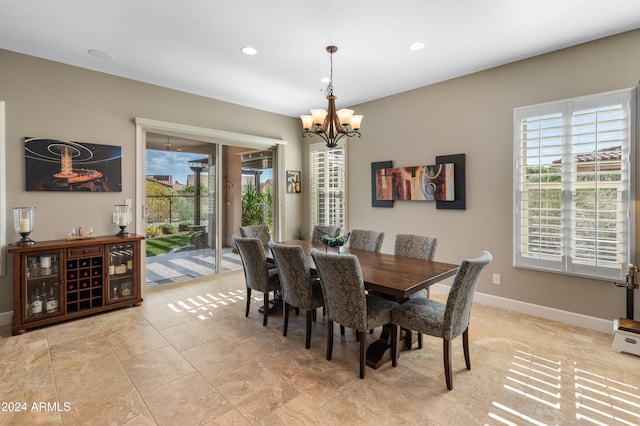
295 277
256 231
343 288
366 240
458 309
254 261
415 246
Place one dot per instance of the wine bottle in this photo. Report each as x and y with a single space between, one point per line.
126 291
129 258
36 304
52 301
43 298
29 303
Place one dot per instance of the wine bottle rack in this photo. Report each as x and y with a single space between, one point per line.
85 277
59 280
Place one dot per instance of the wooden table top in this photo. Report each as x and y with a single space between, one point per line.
397 276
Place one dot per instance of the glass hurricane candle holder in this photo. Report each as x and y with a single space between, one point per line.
23 223
122 218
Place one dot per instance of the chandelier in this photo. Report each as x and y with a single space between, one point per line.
331 125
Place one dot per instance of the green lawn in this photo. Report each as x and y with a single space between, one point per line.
163 245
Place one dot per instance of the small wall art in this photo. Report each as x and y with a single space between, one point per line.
293 182
460 199
60 165
375 183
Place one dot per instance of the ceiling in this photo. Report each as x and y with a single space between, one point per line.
194 45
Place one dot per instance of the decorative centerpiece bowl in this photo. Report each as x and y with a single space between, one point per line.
334 242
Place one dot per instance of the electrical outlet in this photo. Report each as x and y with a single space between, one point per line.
497 279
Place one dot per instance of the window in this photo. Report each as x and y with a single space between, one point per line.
574 185
328 185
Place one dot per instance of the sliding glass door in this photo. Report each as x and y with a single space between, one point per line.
181 215
197 194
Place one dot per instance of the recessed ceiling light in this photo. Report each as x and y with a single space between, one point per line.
418 45
100 54
248 50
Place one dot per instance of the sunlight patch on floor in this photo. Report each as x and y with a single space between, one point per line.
598 399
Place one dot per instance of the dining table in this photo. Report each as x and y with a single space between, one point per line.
392 276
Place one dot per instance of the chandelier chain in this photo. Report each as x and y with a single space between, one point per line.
329 90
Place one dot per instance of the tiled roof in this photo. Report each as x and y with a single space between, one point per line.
605 154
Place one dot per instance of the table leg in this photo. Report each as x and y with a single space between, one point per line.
275 304
379 351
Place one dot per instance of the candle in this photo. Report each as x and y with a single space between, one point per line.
122 219
45 261
25 225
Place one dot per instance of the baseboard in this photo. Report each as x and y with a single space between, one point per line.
591 323
6 318
579 320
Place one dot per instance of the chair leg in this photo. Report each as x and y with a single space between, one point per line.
266 309
465 346
446 346
308 337
329 339
419 340
314 314
361 335
394 345
342 330
286 319
246 314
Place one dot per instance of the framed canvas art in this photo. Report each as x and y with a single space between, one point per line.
60 165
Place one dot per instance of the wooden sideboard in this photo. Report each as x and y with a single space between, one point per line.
58 280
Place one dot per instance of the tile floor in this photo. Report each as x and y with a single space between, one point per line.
189 356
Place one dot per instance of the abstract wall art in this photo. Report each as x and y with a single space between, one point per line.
443 182
424 183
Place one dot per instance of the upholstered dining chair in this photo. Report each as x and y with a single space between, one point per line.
299 289
320 230
366 240
417 247
257 274
445 320
256 231
346 301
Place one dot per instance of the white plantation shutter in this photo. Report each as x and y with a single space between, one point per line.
328 185
574 185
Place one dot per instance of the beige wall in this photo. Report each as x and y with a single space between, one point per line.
471 115
48 99
474 115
